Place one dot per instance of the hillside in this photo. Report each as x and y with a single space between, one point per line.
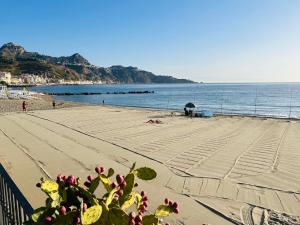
15 59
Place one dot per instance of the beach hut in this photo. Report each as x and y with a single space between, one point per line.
189 108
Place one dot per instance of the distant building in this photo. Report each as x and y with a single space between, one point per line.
16 80
61 81
33 79
6 77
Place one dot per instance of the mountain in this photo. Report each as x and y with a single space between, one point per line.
11 50
15 59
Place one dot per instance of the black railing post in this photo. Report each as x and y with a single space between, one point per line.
15 209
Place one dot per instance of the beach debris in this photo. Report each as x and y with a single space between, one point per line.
154 121
255 215
276 218
69 202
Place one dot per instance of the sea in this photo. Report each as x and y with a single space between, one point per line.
257 99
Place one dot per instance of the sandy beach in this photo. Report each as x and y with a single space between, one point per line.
221 170
41 103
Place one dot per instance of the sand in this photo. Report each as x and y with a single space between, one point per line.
222 170
41 103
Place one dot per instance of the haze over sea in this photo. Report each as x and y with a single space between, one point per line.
266 99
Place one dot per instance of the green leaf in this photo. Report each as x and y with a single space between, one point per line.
94 184
129 183
66 219
56 199
63 194
104 216
105 181
87 194
48 202
139 200
110 172
128 188
49 186
91 215
118 217
163 210
38 214
150 220
110 197
145 173
128 201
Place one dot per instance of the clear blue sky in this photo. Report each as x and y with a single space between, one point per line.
203 40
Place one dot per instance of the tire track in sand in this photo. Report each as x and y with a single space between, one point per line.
195 155
25 151
52 146
264 151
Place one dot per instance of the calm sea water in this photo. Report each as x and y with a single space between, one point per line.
272 99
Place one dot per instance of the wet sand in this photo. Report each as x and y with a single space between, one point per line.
222 170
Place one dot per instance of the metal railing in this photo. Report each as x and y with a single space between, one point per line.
14 208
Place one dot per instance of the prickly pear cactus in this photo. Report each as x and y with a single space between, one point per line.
145 173
49 186
91 215
69 201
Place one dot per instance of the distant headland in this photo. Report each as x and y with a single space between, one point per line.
18 66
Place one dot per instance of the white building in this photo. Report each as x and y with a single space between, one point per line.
6 77
16 80
33 79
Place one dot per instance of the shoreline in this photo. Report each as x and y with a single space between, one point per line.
262 101
67 104
215 114
181 111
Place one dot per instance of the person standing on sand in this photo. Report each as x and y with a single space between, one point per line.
53 104
102 102
24 106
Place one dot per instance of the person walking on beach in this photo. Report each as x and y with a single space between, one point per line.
24 105
53 104
103 102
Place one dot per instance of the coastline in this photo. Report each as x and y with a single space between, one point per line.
45 103
265 100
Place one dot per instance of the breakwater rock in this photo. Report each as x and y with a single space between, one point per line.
101 93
